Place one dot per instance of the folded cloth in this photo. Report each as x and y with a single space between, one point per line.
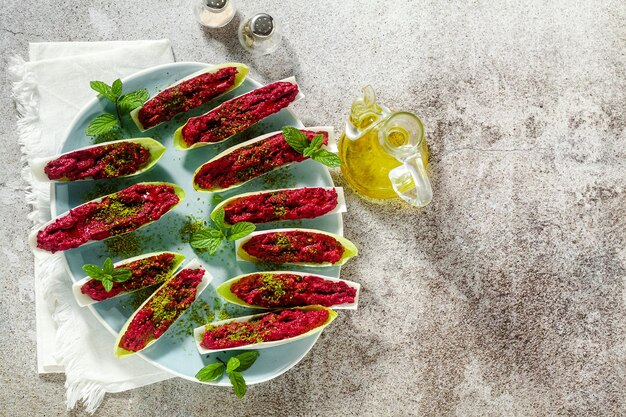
49 90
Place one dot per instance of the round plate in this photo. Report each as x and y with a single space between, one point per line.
175 351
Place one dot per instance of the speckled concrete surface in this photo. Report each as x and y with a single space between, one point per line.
505 296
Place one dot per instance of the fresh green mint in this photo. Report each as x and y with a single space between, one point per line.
211 238
107 274
234 368
107 127
311 149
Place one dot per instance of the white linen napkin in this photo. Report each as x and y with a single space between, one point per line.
49 90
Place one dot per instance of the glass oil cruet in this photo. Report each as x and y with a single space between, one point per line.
384 153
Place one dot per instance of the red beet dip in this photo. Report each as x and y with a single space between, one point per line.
106 161
251 161
294 246
145 273
185 96
118 213
301 203
238 114
163 309
270 327
291 290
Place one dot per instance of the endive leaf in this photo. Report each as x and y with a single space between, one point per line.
319 129
32 238
180 143
242 72
156 150
199 331
206 279
350 249
223 290
339 208
84 300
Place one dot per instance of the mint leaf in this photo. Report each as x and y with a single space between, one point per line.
239 384
219 219
116 89
132 100
104 89
107 284
240 230
232 365
210 372
295 138
317 141
327 158
102 124
246 359
93 271
107 267
207 238
121 274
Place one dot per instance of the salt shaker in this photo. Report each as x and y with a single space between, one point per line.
214 13
259 34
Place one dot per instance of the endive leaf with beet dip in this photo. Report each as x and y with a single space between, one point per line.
224 290
103 159
83 299
180 95
114 214
232 117
199 332
237 165
158 313
282 204
288 243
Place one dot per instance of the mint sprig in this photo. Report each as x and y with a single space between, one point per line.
211 238
107 274
234 368
108 126
311 149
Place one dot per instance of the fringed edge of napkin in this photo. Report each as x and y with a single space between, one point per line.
51 266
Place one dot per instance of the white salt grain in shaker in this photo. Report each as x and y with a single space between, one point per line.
214 13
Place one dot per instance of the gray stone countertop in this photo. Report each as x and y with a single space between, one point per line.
505 296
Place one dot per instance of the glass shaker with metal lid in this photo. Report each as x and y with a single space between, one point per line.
214 13
259 34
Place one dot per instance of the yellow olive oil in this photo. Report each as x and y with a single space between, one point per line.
365 164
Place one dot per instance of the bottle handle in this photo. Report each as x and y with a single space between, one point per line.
410 181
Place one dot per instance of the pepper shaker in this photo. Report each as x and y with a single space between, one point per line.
259 34
214 13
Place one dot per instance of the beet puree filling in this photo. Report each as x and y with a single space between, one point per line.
118 213
106 161
251 161
240 113
291 290
301 203
145 273
163 309
186 96
270 327
294 246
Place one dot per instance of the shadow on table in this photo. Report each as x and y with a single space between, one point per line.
280 64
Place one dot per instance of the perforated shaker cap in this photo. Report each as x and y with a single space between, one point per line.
216 5
261 25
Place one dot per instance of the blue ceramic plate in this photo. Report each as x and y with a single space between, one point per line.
175 351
